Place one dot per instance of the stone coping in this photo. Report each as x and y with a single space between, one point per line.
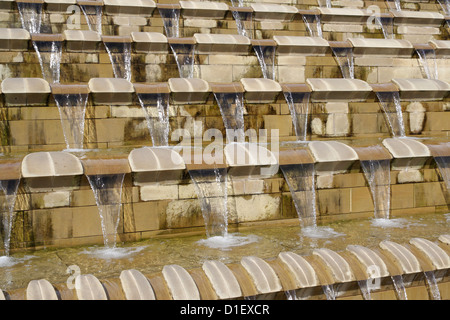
382 47
147 42
406 148
111 91
147 159
152 88
130 7
377 152
25 91
439 150
81 40
63 89
260 90
294 156
288 45
262 277
234 87
51 164
10 169
12 39
267 11
59 5
331 151
343 15
424 18
422 89
189 90
221 43
203 9
441 48
105 166
338 89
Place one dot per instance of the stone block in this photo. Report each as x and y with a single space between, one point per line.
258 207
158 192
409 176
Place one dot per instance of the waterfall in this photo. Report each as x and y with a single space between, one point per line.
301 181
345 60
171 21
211 188
298 103
72 109
445 5
120 56
243 19
231 107
378 176
399 287
93 15
365 289
397 4
49 54
157 116
325 3
313 24
392 110
427 58
432 285
266 58
107 190
185 57
9 189
443 162
387 26
30 16
329 292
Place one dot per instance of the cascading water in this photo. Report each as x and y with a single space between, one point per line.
49 55
298 103
301 181
93 15
72 110
443 162
345 60
397 4
9 189
108 195
392 110
329 291
399 287
211 188
387 26
313 24
378 176
184 54
243 19
427 58
120 56
266 58
231 107
365 289
30 16
445 5
171 21
157 116
432 285
325 3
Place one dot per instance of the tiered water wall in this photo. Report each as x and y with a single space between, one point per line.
126 122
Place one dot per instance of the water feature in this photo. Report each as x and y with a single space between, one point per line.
329 291
120 55
9 189
445 5
184 53
313 24
232 109
397 4
72 110
392 110
298 103
427 58
49 54
325 3
107 190
378 176
30 16
345 60
171 21
243 18
432 285
266 58
365 289
157 115
399 287
93 13
386 23
301 181
211 188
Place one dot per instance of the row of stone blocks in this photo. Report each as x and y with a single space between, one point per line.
115 91
300 276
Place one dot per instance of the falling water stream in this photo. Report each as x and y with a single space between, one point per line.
171 21
231 107
345 60
108 196
9 189
392 110
427 58
49 55
432 285
93 15
313 24
72 110
399 287
298 103
30 16
266 58
157 116
120 56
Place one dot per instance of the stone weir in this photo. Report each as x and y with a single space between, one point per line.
353 274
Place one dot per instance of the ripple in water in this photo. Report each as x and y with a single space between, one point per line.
7 261
321 232
112 253
228 241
